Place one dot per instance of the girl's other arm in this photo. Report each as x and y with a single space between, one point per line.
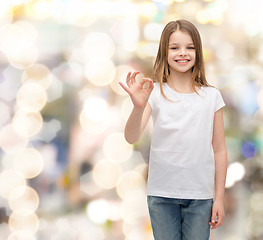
136 123
141 110
220 154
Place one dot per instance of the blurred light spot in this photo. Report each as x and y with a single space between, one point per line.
22 58
147 49
22 53
114 211
109 8
87 185
249 149
10 141
116 148
147 9
29 162
70 73
225 51
93 127
142 168
91 233
166 2
153 31
22 30
126 108
130 184
121 74
254 225
49 153
55 90
29 200
6 13
98 211
10 84
31 97
256 203
212 13
24 223
235 172
39 74
260 99
5 113
74 12
16 236
49 131
95 108
64 229
96 75
18 2
130 34
106 174
7 161
40 9
134 208
98 45
93 117
27 124
12 184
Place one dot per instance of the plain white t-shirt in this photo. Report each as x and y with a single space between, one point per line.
181 161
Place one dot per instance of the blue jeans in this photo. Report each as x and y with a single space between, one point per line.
180 219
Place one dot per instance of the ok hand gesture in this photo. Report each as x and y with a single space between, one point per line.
139 95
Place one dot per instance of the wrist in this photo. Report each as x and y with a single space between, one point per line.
219 199
138 109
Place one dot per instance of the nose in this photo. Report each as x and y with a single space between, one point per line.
182 52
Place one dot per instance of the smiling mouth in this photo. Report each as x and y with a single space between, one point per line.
183 61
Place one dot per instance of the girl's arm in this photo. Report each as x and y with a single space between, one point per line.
220 154
136 123
141 110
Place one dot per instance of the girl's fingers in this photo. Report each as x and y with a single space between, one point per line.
126 89
144 80
151 86
217 223
128 79
133 77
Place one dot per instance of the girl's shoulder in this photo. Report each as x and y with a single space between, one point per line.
211 89
156 87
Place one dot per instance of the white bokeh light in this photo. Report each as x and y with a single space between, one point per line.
106 174
235 172
29 162
116 148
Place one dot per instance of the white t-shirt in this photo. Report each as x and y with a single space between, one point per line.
181 157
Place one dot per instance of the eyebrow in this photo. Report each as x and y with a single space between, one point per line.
177 44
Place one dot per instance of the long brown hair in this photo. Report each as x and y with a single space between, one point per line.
161 68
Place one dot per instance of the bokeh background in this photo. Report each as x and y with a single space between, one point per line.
66 172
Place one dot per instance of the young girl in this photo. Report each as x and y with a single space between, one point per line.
188 160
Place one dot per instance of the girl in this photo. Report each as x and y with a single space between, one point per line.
188 160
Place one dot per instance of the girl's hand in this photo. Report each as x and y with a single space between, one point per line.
139 95
218 214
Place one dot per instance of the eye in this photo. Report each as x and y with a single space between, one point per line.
173 48
191 48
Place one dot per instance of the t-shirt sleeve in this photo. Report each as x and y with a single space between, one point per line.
219 101
152 97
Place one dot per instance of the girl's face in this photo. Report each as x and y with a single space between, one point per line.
181 52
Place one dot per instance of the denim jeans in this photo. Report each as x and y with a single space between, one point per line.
180 219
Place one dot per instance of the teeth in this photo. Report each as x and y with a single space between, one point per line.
182 61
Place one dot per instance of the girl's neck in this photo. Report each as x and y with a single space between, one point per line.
181 82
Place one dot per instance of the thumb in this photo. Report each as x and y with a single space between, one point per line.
213 218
